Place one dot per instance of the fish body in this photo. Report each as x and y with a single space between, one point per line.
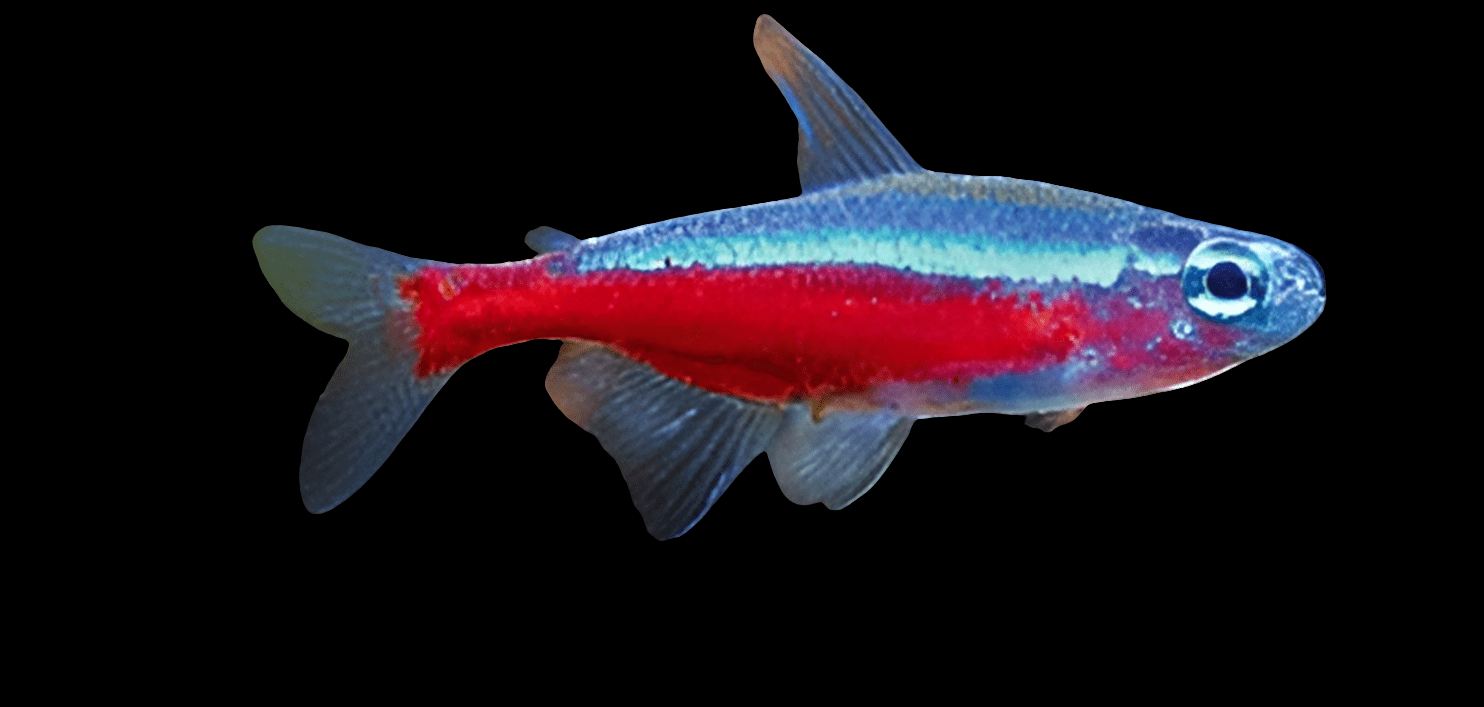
928 293
816 328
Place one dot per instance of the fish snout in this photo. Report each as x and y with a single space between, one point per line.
1298 293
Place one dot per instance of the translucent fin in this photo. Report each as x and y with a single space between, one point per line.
679 447
840 139
350 291
835 460
545 239
1048 421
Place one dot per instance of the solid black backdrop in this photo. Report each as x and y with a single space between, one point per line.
448 139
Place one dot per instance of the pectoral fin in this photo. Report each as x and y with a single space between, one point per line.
1048 421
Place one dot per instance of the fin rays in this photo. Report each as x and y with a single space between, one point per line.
368 407
679 447
840 139
835 460
349 290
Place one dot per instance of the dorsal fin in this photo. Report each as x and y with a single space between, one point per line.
545 239
840 139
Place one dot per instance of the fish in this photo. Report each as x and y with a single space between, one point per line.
817 329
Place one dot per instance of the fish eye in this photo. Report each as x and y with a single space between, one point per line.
1225 281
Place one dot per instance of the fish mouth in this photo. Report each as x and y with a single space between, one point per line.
1312 289
1295 299
1320 269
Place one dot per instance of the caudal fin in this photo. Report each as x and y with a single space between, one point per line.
349 290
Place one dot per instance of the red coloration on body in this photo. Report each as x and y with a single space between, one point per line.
772 333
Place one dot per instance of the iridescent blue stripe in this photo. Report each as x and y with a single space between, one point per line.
975 227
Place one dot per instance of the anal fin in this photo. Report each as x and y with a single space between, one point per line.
836 459
1048 421
679 447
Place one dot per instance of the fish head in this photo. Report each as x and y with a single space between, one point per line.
1190 301
1225 296
1262 291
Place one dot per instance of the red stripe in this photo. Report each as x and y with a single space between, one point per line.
772 333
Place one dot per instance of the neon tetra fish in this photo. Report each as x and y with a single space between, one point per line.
817 329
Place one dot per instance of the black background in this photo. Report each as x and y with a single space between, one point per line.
449 137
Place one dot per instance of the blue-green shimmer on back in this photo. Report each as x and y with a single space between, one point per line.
973 227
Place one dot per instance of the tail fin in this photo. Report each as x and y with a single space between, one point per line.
349 290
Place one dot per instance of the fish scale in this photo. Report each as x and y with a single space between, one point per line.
817 328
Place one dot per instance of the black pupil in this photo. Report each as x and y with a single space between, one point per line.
1226 280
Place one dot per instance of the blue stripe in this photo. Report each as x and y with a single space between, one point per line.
976 227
